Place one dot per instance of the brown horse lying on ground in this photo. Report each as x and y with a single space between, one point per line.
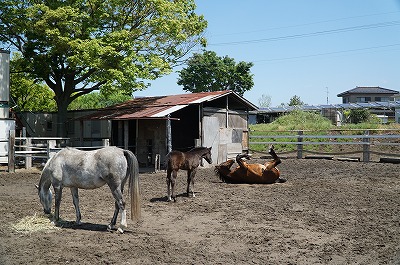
251 173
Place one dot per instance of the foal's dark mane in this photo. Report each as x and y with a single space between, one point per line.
196 149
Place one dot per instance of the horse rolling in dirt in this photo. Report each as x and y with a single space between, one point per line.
251 173
186 161
78 169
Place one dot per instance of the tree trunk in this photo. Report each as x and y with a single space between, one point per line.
62 119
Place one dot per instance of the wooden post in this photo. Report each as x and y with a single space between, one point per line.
169 135
245 141
11 151
106 142
81 135
120 134
157 163
28 157
51 144
300 145
366 141
126 134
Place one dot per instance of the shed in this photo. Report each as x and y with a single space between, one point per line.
151 126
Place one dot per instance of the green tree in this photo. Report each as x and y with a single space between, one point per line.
209 72
79 46
97 100
28 95
295 101
357 115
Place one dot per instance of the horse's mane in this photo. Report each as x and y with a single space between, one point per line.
199 148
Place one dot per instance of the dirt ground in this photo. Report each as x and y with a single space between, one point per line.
328 212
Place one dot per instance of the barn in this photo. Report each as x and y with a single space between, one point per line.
152 126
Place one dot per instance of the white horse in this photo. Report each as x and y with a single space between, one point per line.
75 169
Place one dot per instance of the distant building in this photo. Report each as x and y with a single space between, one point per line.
368 94
380 101
378 95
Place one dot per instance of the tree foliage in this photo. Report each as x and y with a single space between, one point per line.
79 46
28 95
97 100
358 116
295 101
208 72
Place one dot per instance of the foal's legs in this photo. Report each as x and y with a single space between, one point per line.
169 183
190 181
75 199
173 181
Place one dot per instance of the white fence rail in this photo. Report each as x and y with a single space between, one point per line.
369 138
23 150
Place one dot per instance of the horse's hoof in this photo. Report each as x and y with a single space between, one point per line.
120 230
110 227
281 180
271 149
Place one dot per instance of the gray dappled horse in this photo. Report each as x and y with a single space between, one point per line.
189 161
78 169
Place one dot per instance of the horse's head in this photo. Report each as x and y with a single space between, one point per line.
207 155
45 196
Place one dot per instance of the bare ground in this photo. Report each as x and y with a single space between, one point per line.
328 212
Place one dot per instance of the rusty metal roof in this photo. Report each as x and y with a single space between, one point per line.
161 106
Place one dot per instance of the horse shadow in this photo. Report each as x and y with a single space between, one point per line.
165 198
83 226
87 227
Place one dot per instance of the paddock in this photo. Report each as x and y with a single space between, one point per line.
328 212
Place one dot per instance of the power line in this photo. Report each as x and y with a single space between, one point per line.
312 34
328 53
302 25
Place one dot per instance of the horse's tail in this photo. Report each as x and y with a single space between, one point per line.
133 171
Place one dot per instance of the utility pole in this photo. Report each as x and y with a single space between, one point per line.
327 96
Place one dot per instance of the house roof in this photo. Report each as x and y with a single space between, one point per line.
368 90
161 106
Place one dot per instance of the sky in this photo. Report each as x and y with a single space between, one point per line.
312 49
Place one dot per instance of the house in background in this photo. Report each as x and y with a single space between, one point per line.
368 94
379 96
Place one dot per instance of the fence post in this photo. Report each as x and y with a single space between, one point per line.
157 164
11 151
300 145
28 157
366 145
106 142
51 144
27 143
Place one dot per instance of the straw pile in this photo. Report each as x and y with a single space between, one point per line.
35 223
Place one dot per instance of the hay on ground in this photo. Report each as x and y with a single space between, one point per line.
35 223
